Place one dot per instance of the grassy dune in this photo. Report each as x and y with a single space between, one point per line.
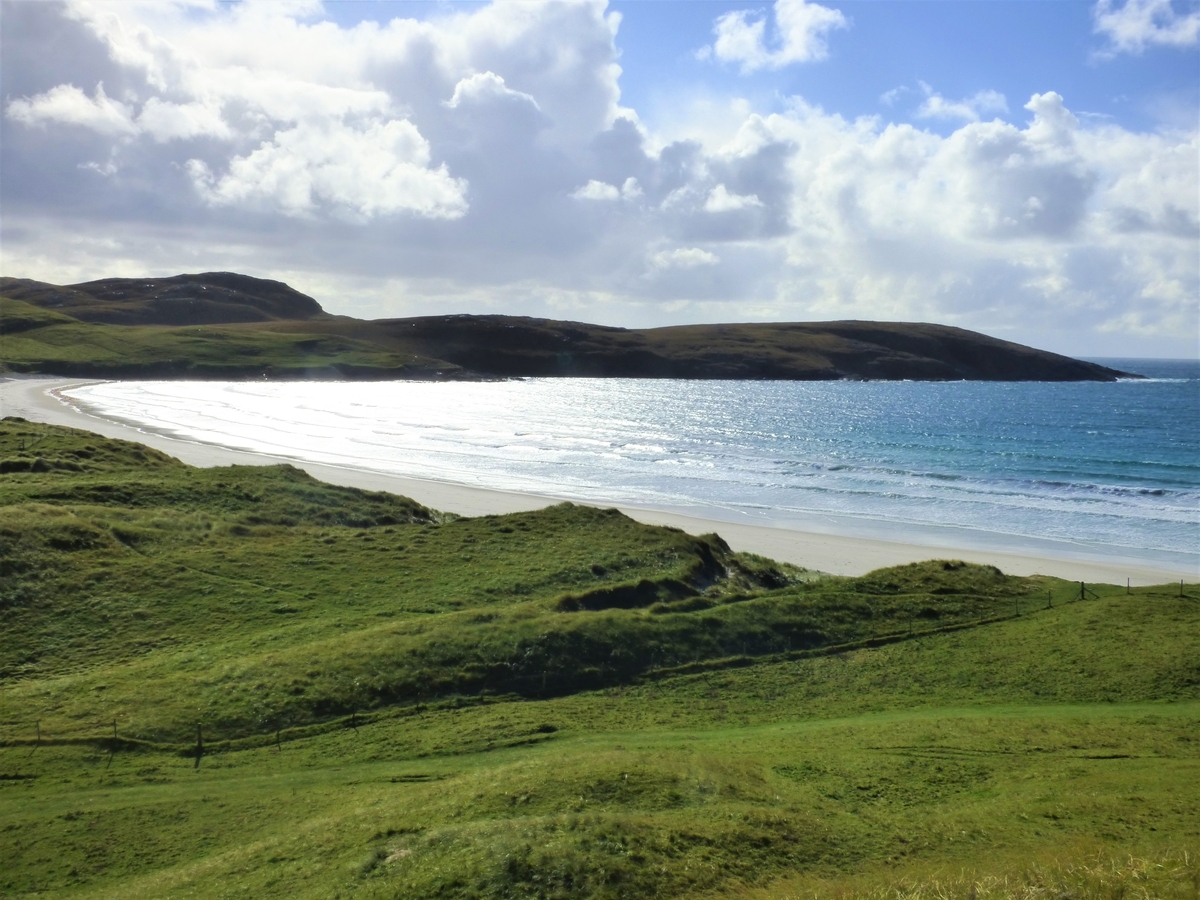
559 704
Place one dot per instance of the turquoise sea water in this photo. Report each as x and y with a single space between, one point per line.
1086 469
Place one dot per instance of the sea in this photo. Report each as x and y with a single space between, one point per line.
1080 470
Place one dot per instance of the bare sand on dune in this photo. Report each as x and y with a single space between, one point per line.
37 399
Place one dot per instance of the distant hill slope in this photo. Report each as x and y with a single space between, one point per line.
224 325
210 298
510 346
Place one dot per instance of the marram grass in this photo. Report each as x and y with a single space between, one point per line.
395 703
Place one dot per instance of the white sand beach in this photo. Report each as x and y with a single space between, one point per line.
35 399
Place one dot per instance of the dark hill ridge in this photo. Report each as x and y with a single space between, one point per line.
516 346
210 298
223 325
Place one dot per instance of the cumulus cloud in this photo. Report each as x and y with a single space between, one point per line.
166 121
683 258
599 190
1001 220
800 35
630 189
301 104
162 120
480 160
485 86
721 200
68 105
1138 24
380 168
969 109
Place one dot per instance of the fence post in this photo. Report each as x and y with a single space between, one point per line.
199 745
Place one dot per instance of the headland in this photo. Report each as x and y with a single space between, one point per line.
221 325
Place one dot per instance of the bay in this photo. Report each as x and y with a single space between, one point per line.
1087 469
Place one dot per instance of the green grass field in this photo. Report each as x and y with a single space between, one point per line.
557 704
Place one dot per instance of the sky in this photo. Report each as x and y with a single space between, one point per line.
1025 168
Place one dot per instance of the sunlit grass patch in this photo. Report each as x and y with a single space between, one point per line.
1079 873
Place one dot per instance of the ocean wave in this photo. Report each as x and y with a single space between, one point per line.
1155 380
1009 458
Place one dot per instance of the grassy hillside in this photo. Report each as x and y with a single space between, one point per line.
207 299
33 339
557 704
518 346
223 325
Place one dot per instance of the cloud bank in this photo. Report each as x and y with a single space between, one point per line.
481 160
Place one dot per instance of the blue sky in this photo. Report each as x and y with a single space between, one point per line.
957 47
1028 169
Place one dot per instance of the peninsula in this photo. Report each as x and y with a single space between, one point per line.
223 325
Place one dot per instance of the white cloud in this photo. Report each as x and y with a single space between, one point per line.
107 169
597 190
377 169
630 189
969 109
801 33
68 105
683 258
162 120
166 121
1137 24
272 82
600 190
1013 226
485 86
803 28
889 98
721 200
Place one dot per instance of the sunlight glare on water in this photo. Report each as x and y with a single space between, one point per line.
1103 465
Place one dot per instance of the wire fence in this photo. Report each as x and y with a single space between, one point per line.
105 735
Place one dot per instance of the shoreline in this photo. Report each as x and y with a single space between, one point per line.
838 554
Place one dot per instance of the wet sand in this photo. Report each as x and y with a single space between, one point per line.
34 399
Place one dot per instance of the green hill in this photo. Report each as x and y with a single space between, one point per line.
38 340
223 325
210 298
394 702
